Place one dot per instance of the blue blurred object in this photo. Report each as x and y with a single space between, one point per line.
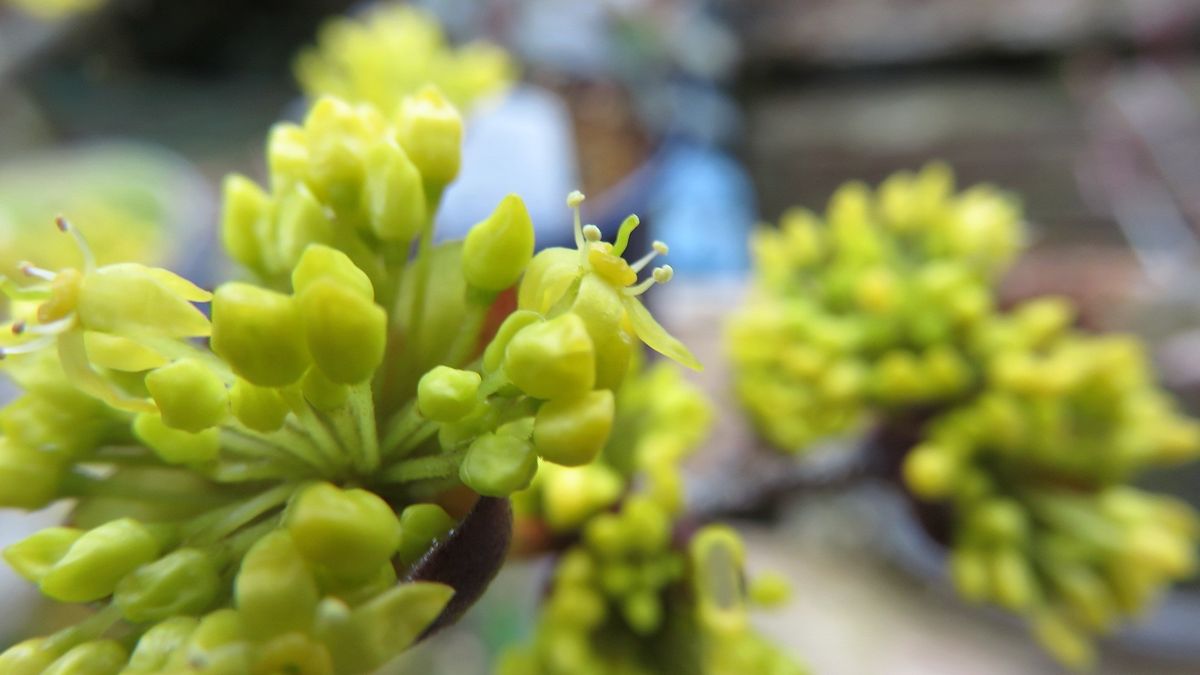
703 208
521 142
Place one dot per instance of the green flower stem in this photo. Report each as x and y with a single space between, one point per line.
416 438
215 525
362 408
314 428
467 340
401 426
299 452
231 550
89 629
245 472
126 455
424 468
421 283
81 484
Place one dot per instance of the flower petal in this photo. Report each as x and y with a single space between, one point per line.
657 337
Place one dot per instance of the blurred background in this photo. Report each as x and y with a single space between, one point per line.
705 117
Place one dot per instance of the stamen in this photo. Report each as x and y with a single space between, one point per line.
659 249
627 227
18 327
21 294
27 347
591 233
53 328
31 270
661 275
89 259
573 201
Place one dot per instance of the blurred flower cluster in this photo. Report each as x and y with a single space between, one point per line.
1027 429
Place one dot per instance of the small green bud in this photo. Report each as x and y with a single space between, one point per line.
259 408
643 611
275 592
356 590
346 333
244 207
29 479
498 465
1014 585
287 156
647 524
26 658
572 431
552 359
99 657
335 131
175 446
498 249
430 130
930 471
447 394
420 526
571 495
320 261
99 559
294 654
324 394
301 222
182 582
770 590
362 639
394 194
348 532
218 642
155 647
493 354
34 555
260 334
190 397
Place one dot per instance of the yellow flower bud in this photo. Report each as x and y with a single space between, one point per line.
572 431
320 261
301 221
275 592
259 408
323 393
99 657
552 359
94 564
287 156
346 333
260 334
349 532
36 554
498 249
430 129
29 479
493 354
156 645
30 657
190 397
244 209
447 394
176 446
394 194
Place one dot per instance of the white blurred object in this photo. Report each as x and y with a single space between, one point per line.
519 143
